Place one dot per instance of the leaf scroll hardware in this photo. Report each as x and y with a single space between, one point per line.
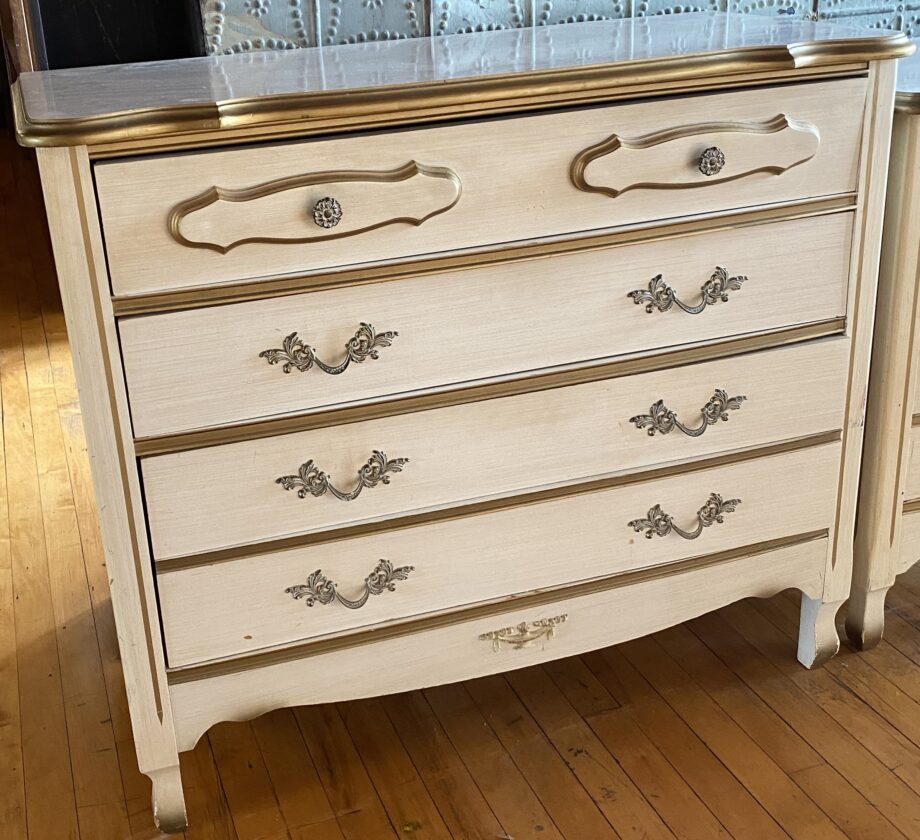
523 635
320 590
311 481
659 295
657 523
294 353
664 420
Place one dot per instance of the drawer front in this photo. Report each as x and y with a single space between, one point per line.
474 324
235 494
229 608
187 220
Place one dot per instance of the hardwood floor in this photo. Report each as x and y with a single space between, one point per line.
707 730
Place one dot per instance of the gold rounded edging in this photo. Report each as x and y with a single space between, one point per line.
400 104
907 102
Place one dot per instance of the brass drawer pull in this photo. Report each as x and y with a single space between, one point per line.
314 482
320 590
659 295
327 212
711 161
364 344
524 634
663 420
658 523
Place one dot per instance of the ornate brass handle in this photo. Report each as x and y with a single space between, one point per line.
659 295
711 161
320 590
658 523
314 482
327 212
364 344
524 634
664 420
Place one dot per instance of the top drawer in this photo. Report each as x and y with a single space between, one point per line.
185 220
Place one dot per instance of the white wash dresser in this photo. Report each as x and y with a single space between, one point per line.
888 526
404 363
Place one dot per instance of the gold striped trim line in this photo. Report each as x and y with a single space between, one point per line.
315 647
461 511
262 288
523 383
313 111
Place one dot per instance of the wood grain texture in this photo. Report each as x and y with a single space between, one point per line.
462 326
521 189
226 495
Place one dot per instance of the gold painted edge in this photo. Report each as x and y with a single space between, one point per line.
463 510
907 102
524 382
395 104
412 626
214 195
265 287
615 142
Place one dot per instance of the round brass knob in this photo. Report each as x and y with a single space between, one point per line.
712 161
327 212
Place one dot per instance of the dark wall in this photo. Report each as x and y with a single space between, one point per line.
87 32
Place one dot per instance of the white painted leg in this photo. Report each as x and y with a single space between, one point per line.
168 799
866 617
818 639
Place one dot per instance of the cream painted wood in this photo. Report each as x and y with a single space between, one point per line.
447 654
519 188
466 325
909 544
891 468
822 641
244 606
79 256
206 499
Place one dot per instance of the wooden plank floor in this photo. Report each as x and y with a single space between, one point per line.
707 730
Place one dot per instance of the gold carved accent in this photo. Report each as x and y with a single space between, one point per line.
320 590
214 194
311 481
711 174
364 344
524 635
657 523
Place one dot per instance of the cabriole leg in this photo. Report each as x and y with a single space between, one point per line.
866 617
818 639
168 799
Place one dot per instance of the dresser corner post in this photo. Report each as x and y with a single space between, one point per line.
817 617
70 203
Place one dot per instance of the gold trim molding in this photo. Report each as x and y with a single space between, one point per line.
213 195
265 287
369 635
615 143
522 383
463 510
317 111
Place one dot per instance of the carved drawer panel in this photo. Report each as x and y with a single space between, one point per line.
281 597
180 221
317 349
257 490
